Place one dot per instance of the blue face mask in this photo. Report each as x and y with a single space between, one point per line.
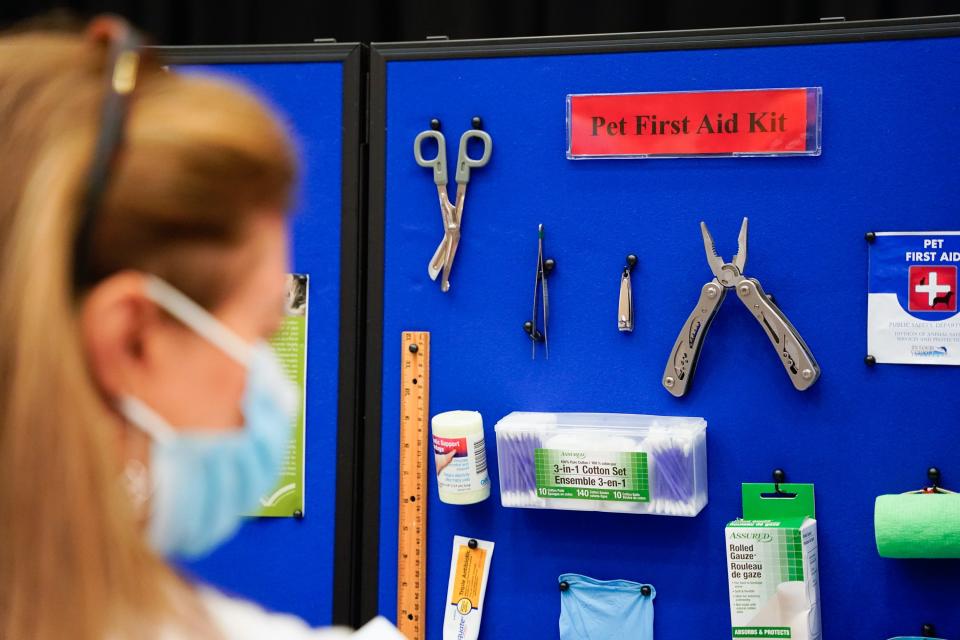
601 609
205 480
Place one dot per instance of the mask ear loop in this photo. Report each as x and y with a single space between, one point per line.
199 319
146 419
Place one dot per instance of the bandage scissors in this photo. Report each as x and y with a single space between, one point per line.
452 214
793 351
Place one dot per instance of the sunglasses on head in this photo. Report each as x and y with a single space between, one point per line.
123 62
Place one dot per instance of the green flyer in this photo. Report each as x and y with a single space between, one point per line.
290 345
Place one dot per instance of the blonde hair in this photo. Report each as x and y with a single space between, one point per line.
201 157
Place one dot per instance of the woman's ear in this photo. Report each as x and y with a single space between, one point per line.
116 318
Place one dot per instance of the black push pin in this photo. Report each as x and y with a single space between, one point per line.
645 590
413 348
472 543
564 585
435 124
869 360
927 631
779 477
933 475
870 237
477 123
548 266
298 514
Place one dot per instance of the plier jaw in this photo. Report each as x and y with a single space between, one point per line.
727 273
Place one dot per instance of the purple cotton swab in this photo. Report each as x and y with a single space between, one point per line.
519 472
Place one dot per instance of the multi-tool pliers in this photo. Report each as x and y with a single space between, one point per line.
793 351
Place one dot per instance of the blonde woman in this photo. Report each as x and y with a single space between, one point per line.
142 262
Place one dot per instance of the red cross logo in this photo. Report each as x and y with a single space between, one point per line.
933 288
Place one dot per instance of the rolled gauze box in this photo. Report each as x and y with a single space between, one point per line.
918 525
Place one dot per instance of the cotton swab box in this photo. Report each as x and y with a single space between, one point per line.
603 462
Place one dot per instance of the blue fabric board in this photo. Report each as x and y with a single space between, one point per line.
283 563
889 162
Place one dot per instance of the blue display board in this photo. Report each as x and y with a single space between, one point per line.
286 564
889 162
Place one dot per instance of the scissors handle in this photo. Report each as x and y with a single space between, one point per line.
464 161
439 163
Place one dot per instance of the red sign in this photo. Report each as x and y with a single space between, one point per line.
694 123
932 288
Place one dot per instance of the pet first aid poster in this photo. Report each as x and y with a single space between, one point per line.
912 298
289 343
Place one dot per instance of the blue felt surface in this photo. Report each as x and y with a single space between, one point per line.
286 564
889 162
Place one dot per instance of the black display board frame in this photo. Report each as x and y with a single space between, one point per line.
353 57
361 342
383 53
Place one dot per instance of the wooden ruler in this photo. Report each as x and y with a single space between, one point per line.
414 454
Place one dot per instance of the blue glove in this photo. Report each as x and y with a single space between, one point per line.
604 609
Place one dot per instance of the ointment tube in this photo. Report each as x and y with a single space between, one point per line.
469 568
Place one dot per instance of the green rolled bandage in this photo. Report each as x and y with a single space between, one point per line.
918 525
